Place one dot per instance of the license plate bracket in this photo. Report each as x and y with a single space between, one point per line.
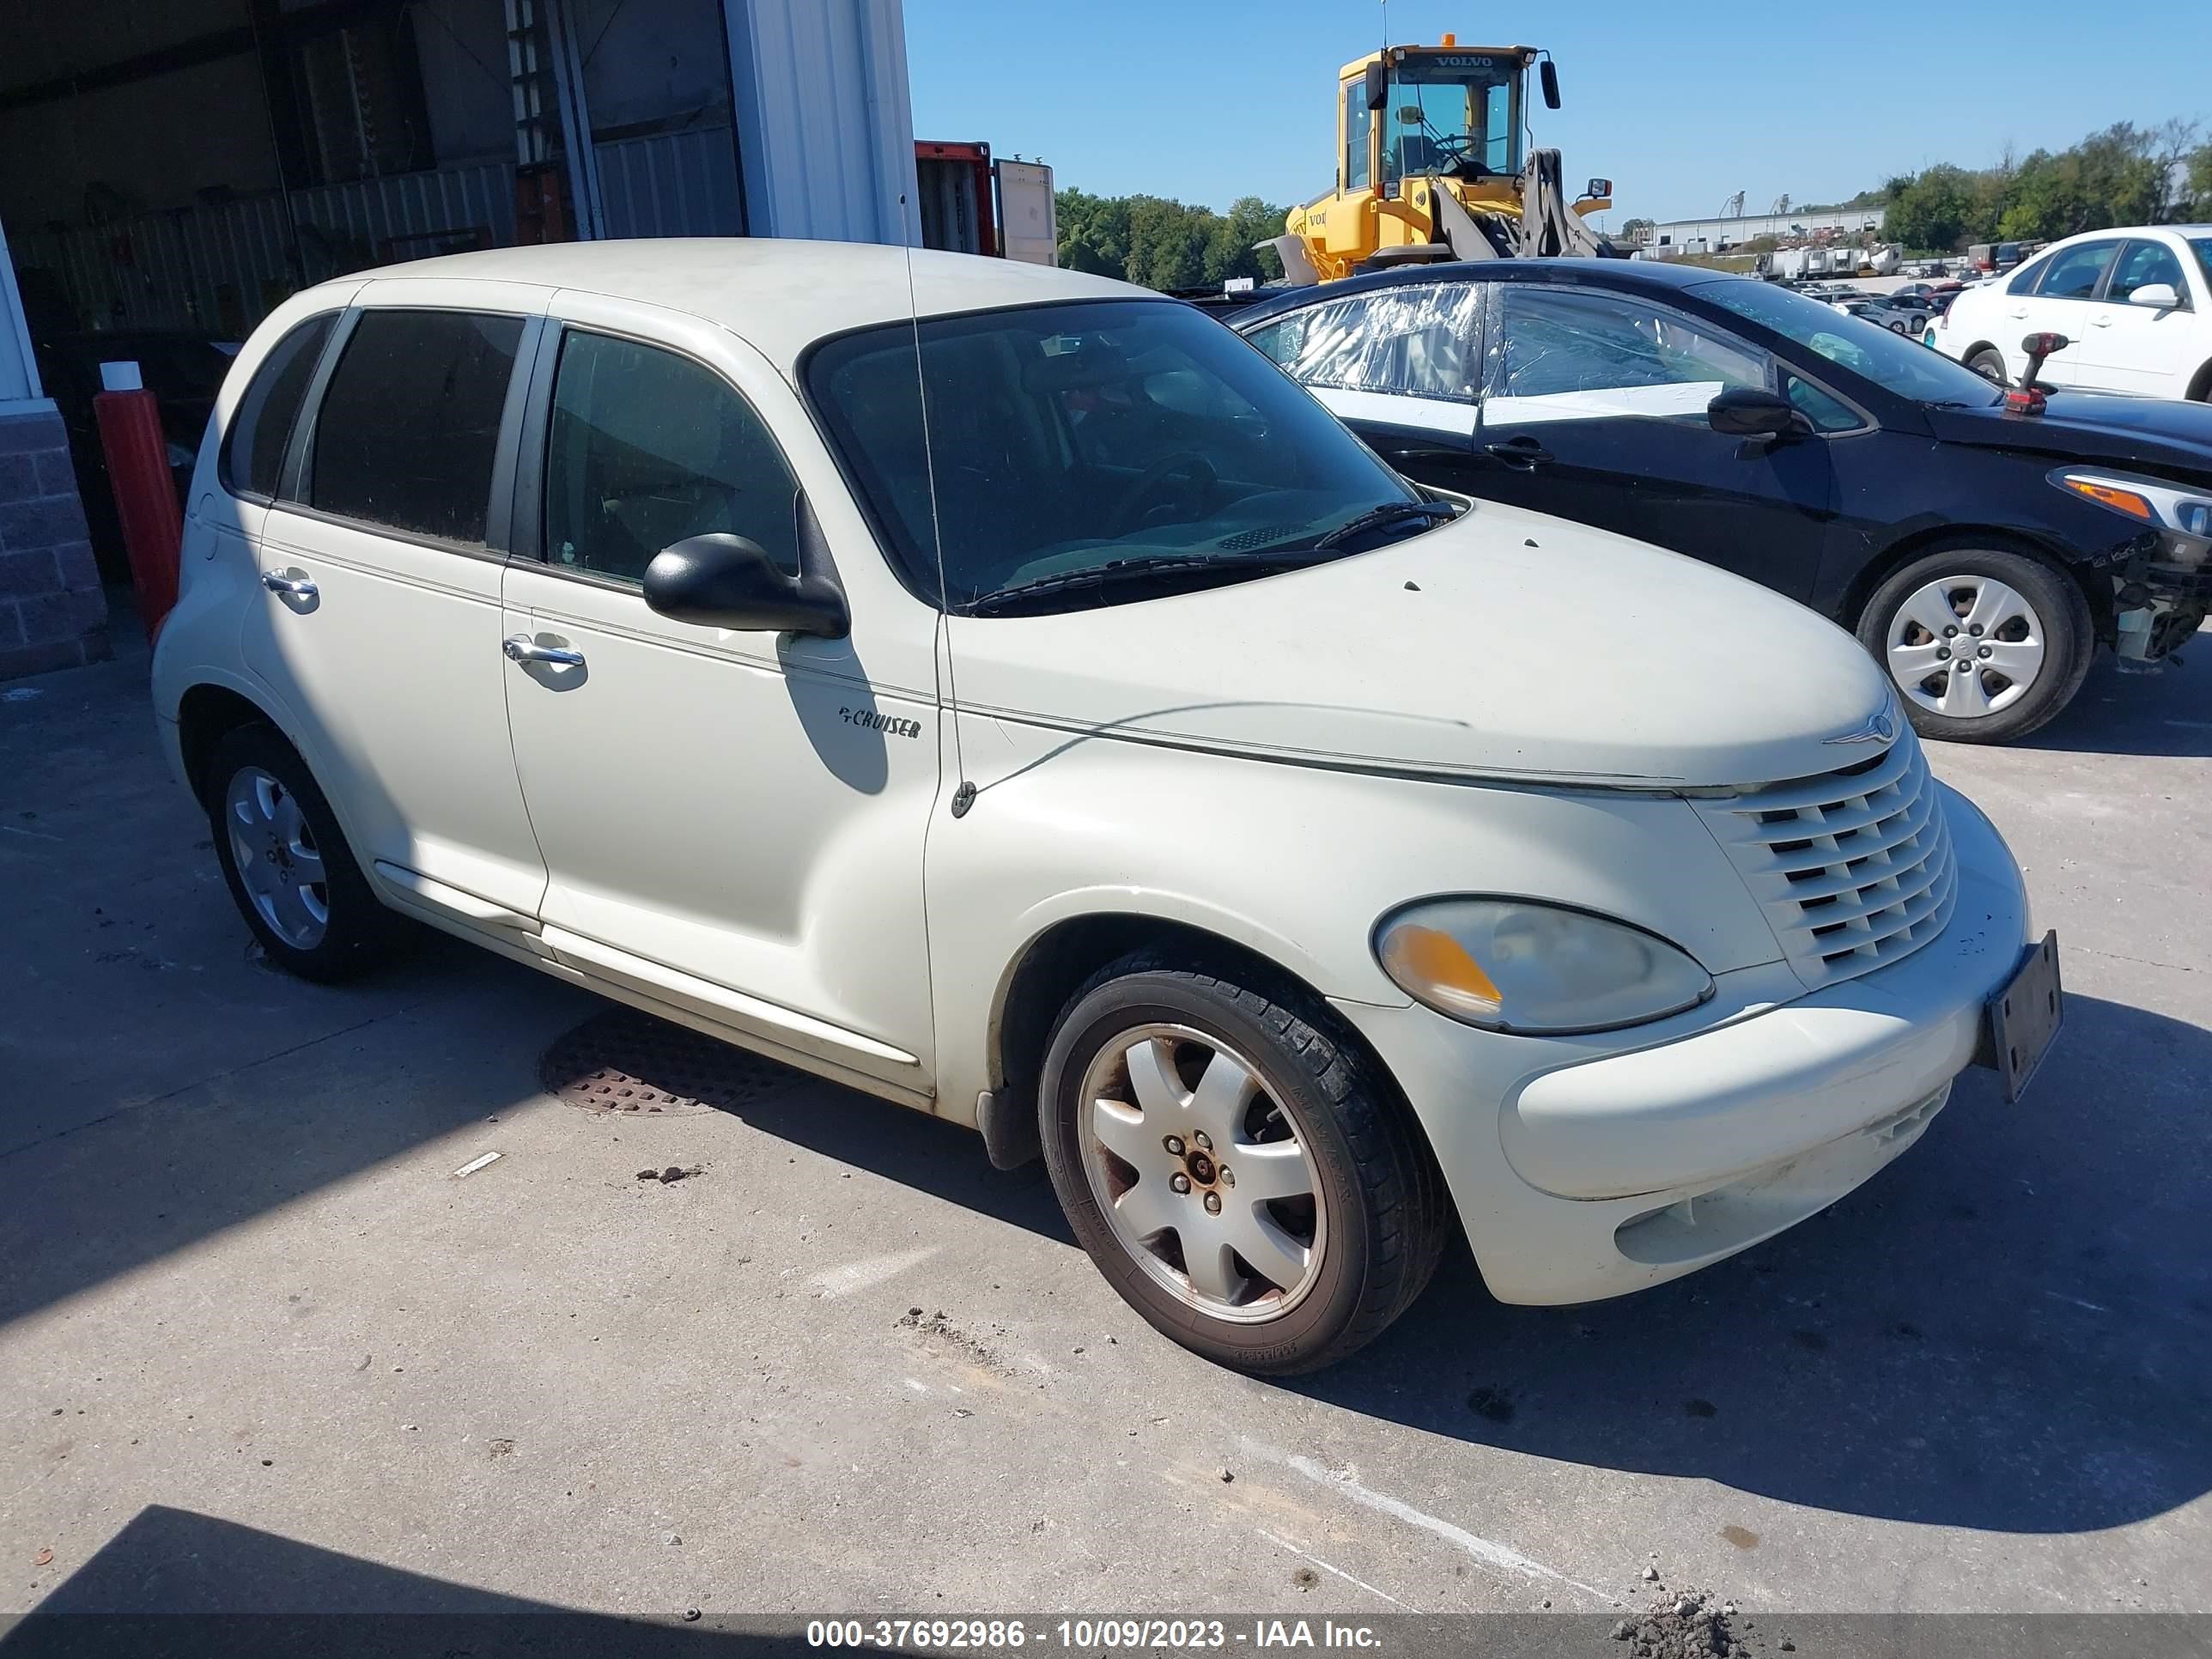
2024 1017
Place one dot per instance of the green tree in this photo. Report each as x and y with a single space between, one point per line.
1165 244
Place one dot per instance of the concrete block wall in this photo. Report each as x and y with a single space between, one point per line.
52 614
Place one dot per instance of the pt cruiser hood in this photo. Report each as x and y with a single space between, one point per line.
1506 644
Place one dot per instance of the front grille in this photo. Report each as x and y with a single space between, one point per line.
1853 868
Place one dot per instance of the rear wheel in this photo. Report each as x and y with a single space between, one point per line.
1989 363
1984 645
286 863
1246 1182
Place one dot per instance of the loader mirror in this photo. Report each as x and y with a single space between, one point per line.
1547 73
1378 85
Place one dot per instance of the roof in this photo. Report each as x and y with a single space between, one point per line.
1648 274
778 295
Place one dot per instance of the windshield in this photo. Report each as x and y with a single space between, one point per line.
1893 361
1089 438
1452 110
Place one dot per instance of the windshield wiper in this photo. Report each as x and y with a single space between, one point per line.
1376 516
1136 569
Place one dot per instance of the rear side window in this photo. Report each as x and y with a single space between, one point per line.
2075 274
1416 341
261 427
645 449
407 432
2024 281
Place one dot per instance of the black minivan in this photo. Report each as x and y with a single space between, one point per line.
1982 549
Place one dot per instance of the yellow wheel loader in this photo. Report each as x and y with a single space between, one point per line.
1430 165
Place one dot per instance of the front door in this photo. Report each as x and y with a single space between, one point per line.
377 622
732 822
1594 411
2136 349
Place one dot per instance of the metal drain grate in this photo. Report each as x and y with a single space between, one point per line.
622 1061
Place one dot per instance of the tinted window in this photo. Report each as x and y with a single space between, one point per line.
1567 353
645 448
1826 413
1069 438
261 427
2024 280
2142 264
1416 341
407 432
2075 274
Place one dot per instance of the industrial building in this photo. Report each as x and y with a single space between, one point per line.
172 169
1712 234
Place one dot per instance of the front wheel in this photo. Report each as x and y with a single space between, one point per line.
1244 1180
1982 645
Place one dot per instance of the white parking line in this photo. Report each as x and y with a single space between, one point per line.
1286 1544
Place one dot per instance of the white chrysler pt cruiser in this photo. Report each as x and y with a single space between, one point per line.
1002 692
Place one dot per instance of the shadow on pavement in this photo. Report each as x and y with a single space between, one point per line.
2168 714
180 1584
2008 1329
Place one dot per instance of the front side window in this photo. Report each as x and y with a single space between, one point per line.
1415 341
2202 247
261 429
644 449
410 425
1074 439
2075 274
2143 264
1565 354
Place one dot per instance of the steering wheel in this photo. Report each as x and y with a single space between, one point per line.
1187 464
1452 148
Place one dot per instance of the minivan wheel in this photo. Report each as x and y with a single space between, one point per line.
1989 363
286 863
1245 1180
1982 645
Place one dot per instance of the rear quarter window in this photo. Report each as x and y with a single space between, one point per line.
261 426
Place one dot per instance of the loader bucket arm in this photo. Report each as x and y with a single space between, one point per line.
1550 229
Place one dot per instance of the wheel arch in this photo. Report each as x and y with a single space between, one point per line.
2200 388
206 712
1936 539
1057 959
1978 347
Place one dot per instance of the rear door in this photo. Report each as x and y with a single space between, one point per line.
1399 365
1594 407
379 620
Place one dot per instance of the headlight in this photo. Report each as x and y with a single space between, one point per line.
1517 965
2185 515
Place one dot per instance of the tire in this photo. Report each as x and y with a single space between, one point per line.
1989 363
1364 1238
1899 327
2018 602
273 830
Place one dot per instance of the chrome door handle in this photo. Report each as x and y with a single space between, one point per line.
520 647
296 587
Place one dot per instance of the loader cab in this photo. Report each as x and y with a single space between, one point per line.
1445 110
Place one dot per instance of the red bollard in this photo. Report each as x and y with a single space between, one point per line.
137 454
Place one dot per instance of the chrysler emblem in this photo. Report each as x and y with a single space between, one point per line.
1880 729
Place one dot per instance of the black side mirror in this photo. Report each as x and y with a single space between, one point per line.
1378 84
1547 76
1750 412
722 580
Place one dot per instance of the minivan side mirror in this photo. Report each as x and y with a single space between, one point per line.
1746 411
722 580
2159 296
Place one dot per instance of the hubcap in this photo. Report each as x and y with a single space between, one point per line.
1966 647
277 857
1202 1173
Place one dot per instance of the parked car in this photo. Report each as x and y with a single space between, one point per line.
1899 316
2135 305
1742 424
1269 873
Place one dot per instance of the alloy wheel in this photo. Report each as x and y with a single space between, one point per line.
1966 647
1202 1176
278 862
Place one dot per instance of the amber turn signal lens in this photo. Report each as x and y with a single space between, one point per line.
2120 500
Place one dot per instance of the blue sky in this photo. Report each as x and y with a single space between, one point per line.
1681 105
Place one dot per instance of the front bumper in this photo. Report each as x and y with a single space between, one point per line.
1595 1172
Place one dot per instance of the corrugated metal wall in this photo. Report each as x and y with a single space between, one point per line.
825 124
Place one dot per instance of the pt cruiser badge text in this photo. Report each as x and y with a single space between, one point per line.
890 725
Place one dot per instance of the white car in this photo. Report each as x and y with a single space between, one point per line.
2135 306
1110 753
